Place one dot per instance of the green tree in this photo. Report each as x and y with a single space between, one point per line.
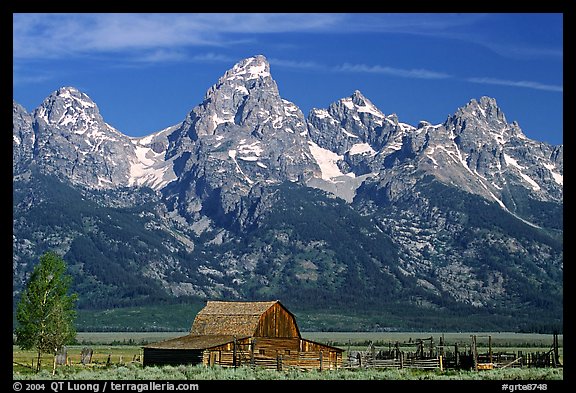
46 312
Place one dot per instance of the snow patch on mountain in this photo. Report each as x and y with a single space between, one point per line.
327 160
511 161
362 148
558 178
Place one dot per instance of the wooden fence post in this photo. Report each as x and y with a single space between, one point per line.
456 355
556 354
442 345
490 348
474 353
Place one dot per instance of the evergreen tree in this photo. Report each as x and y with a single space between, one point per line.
45 312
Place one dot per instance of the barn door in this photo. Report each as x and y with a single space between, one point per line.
214 358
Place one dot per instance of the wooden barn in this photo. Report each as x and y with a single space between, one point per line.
231 334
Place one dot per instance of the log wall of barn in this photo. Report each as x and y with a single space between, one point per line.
293 352
274 346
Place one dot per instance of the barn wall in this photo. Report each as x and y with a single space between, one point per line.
331 356
274 346
161 357
277 322
307 345
241 343
274 354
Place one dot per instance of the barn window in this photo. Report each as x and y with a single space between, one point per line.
261 352
287 352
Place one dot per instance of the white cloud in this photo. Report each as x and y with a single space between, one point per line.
303 65
526 84
162 37
57 35
402 72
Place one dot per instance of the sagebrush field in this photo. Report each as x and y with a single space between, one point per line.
118 356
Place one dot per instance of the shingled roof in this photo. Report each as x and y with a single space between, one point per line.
192 341
229 318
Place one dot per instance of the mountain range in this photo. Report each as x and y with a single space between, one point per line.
347 214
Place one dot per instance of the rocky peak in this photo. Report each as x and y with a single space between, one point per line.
364 105
251 68
248 77
245 96
482 122
478 113
242 134
72 140
22 137
20 117
351 121
357 104
486 108
71 109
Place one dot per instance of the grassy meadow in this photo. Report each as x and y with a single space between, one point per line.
117 356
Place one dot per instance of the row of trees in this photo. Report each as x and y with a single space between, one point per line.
46 311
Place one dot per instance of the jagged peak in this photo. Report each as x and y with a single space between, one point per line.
423 124
250 68
67 89
71 97
359 103
17 106
358 96
486 107
242 77
69 107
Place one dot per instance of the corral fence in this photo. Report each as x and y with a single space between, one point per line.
398 355
425 354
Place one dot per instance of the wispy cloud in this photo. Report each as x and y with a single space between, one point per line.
413 73
140 39
39 36
524 84
402 72
301 65
417 73
59 35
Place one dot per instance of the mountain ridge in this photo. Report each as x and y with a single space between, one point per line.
223 203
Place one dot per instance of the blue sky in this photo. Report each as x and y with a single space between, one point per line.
147 71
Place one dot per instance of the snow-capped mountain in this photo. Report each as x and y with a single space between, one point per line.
244 130
68 137
248 198
474 150
243 135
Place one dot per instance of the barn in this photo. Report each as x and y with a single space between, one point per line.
234 333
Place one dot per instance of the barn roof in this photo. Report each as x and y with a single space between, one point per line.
221 322
192 341
229 318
